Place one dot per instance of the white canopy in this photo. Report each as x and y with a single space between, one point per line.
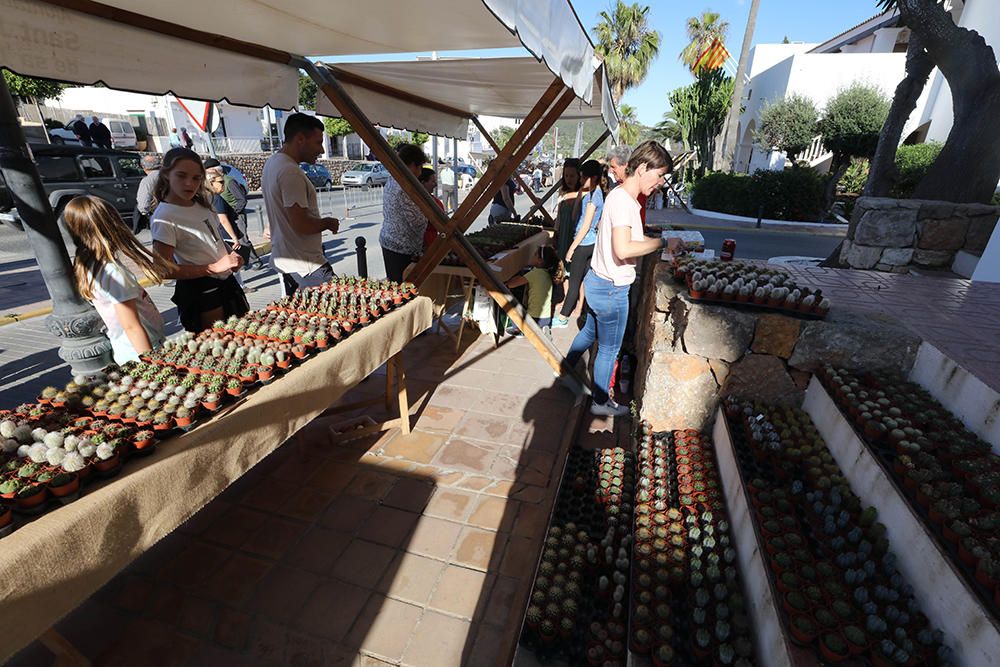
439 96
242 47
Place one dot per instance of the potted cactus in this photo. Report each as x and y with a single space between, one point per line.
833 647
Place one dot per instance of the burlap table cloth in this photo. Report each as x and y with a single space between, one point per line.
54 563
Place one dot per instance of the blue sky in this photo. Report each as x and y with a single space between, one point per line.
799 20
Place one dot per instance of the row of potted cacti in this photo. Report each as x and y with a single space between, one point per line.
495 238
47 453
736 282
174 386
828 556
950 476
578 605
688 605
347 304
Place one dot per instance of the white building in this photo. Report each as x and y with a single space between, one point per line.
872 52
233 128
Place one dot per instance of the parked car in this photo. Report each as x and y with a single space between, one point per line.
63 136
122 133
317 174
365 174
67 171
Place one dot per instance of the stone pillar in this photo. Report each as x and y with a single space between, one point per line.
84 345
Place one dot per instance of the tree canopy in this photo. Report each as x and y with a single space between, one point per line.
501 135
337 127
629 127
627 45
30 88
852 120
788 125
307 92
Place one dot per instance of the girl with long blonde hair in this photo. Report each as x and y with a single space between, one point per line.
102 241
185 230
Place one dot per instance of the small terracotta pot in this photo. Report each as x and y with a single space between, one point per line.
67 489
32 501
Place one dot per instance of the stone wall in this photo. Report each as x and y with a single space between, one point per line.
691 355
897 234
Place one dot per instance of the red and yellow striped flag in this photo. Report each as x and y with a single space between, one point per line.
713 57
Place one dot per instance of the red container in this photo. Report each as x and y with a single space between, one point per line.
728 250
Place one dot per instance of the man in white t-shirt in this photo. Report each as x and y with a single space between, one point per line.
446 177
292 210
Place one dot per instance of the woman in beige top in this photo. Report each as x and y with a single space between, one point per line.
620 242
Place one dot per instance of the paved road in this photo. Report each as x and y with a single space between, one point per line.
759 244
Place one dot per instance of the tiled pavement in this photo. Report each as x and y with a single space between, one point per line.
413 549
959 317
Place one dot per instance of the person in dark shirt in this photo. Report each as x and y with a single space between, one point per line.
186 138
99 133
81 130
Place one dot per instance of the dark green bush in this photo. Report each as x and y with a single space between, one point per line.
912 162
793 194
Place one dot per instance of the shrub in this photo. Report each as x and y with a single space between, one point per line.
792 194
788 124
912 163
854 179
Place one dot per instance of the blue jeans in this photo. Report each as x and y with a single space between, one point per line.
607 315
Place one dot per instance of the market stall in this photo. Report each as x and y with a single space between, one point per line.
51 564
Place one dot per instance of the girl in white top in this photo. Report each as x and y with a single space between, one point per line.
184 230
134 324
620 241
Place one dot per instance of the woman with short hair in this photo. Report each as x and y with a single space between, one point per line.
403 224
620 242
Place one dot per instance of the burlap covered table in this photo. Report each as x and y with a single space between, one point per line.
52 564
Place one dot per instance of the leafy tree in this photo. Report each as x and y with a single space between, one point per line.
31 89
788 125
337 127
670 130
629 127
395 140
502 135
700 110
627 45
850 127
307 92
701 33
968 167
420 138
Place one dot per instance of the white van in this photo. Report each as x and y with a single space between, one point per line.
122 134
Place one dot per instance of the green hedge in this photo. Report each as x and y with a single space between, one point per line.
912 163
797 194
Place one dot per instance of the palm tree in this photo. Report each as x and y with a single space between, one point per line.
628 125
701 32
627 45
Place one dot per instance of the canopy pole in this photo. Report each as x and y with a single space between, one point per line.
330 87
555 187
511 156
84 346
527 190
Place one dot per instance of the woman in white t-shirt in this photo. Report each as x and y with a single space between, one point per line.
134 324
185 230
620 241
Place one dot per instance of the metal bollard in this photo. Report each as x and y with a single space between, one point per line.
760 214
362 251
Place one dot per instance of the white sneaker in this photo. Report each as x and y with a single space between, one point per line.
609 409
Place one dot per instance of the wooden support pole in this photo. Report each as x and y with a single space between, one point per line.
353 114
462 220
527 190
555 187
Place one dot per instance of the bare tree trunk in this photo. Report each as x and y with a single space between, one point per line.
968 167
837 170
883 174
724 157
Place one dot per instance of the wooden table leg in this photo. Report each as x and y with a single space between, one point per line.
66 654
469 288
389 373
404 401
